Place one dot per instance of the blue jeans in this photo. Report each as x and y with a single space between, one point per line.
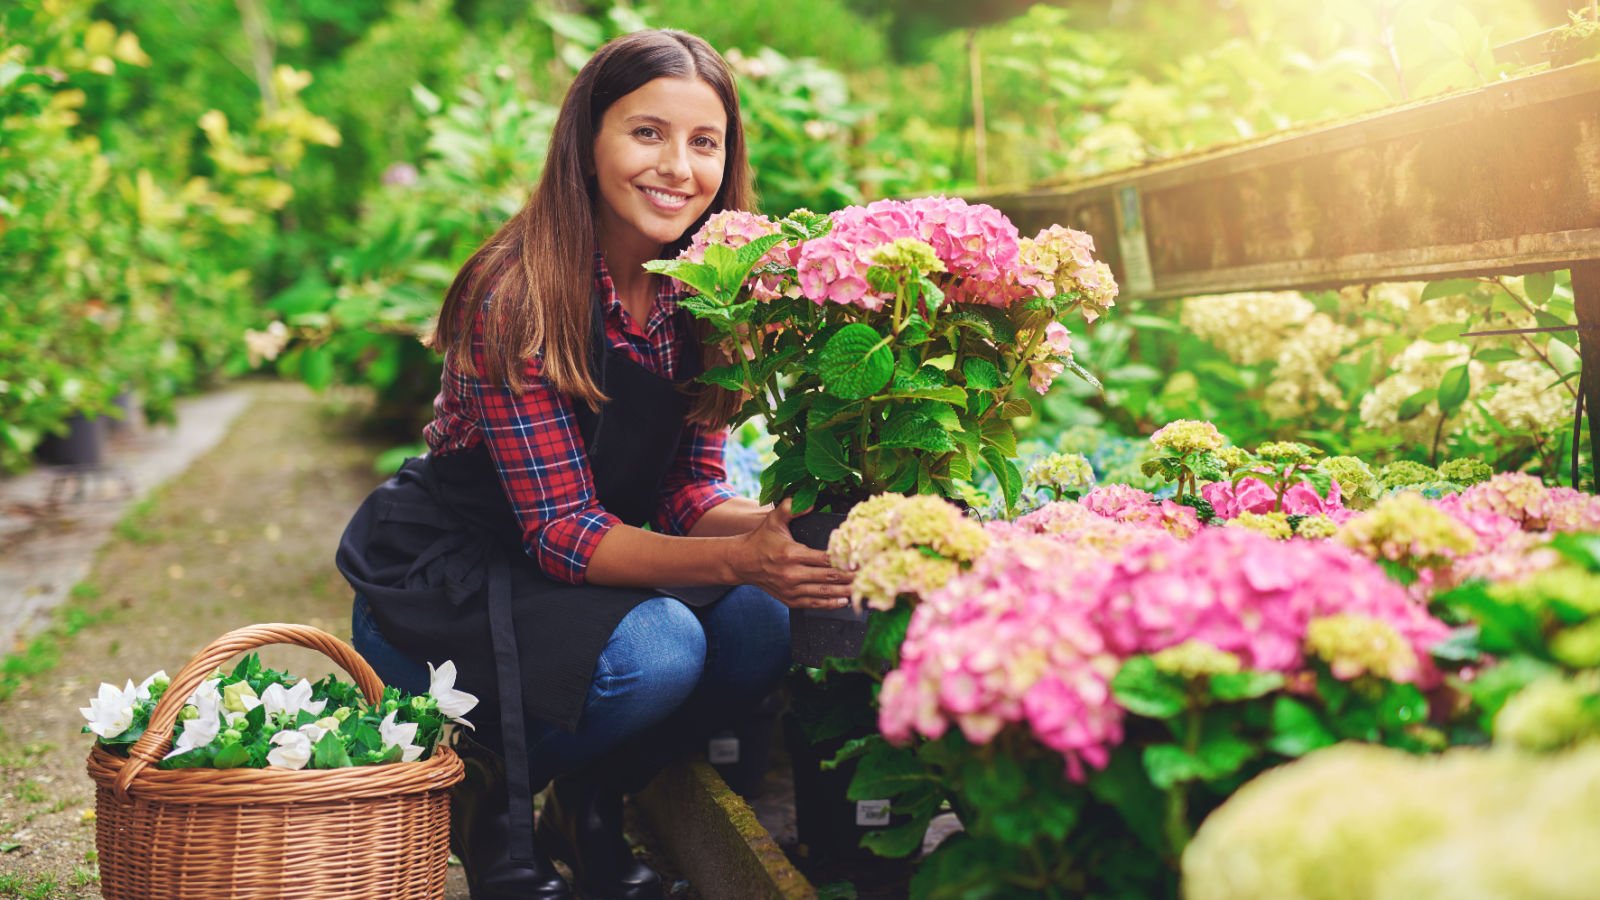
701 666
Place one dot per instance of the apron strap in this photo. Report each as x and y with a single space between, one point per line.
514 741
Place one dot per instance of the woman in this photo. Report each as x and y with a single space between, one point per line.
564 424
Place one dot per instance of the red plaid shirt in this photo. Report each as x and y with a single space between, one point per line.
536 446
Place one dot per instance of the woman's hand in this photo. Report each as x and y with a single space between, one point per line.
800 577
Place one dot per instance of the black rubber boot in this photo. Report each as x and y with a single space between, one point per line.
581 825
479 834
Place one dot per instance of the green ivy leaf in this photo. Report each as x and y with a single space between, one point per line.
1144 690
231 756
1296 729
855 363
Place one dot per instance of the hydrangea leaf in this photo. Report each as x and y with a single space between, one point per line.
1454 388
913 430
1296 729
981 374
825 458
855 363
1169 764
1231 686
1144 690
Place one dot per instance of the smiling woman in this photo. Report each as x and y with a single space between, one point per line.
564 425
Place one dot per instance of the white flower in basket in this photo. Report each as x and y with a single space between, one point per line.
110 713
287 703
397 734
203 728
293 750
453 703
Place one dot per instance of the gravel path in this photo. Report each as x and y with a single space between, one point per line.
245 535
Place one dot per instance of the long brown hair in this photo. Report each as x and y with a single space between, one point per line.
540 264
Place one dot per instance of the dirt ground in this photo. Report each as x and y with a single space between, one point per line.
246 535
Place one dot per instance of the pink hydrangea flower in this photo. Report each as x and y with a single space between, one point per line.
1126 503
735 228
976 243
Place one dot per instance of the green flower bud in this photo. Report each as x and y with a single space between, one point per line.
235 695
187 713
343 713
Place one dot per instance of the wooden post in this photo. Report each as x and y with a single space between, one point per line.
1586 299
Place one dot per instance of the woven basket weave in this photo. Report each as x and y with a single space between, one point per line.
364 831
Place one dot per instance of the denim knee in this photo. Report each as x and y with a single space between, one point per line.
654 658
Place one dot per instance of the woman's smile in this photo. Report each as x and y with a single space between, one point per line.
658 163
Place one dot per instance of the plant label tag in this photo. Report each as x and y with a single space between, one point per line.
872 813
723 750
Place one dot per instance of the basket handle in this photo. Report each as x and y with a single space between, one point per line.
157 738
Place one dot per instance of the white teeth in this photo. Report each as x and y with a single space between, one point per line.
669 199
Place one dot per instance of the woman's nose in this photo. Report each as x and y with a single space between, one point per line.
673 161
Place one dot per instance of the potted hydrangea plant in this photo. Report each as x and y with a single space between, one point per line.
884 346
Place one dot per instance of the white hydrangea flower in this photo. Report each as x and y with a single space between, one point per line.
1526 400
1248 328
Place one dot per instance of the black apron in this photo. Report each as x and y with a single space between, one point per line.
437 551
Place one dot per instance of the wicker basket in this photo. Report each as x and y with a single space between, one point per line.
366 831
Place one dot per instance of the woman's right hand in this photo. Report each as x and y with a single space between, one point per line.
800 577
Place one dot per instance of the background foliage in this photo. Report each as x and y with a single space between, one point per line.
175 174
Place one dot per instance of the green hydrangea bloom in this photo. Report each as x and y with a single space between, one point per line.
1284 452
1061 472
1358 486
1354 645
1274 525
1193 659
1550 714
1234 458
1406 528
1466 470
1406 472
909 254
1316 527
1187 436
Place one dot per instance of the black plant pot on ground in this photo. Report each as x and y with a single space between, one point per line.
82 445
816 634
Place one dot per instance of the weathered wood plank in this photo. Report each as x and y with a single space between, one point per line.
1498 180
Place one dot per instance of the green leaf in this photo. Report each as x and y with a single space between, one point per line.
805 498
316 367
1005 471
999 434
886 631
855 363
730 377
1296 729
231 756
886 771
1496 355
1412 406
1445 331
1144 690
1124 785
914 431
1016 408
1454 388
981 374
700 277
1539 287
1222 753
751 253
825 458
1169 764
904 839
329 753
1229 687
1449 288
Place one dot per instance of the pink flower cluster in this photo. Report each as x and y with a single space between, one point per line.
734 228
1060 260
1126 503
1034 633
976 243
1525 500
1252 495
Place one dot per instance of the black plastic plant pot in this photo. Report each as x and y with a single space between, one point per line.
816 634
82 445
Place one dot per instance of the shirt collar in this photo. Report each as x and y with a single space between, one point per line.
668 293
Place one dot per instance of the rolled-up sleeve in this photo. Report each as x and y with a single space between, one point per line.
539 454
696 482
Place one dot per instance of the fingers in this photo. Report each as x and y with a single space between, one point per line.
813 601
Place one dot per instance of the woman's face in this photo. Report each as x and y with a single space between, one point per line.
658 160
